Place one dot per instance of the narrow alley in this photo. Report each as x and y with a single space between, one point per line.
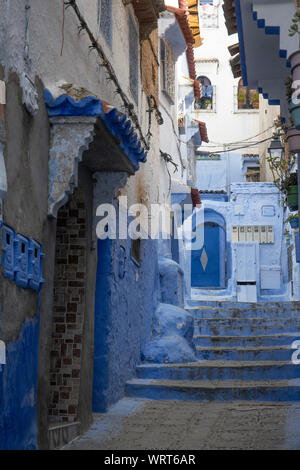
149 225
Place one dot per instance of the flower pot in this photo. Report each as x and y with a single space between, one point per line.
294 59
294 223
293 136
292 198
295 112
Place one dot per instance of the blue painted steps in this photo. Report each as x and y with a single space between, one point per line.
229 390
196 304
273 312
258 340
246 326
244 353
220 370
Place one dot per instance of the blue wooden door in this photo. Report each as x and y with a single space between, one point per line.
207 263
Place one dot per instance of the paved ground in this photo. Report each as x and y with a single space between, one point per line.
136 424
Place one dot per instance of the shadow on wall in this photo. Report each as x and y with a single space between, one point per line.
126 299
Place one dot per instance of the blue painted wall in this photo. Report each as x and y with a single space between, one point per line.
126 298
18 389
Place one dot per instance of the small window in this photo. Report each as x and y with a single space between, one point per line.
247 99
136 250
253 174
206 102
105 19
167 69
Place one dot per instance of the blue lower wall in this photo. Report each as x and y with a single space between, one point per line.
127 295
18 390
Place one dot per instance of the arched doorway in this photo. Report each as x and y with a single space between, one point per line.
208 264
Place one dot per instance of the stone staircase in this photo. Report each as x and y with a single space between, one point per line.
244 353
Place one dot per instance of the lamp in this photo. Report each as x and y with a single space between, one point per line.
276 149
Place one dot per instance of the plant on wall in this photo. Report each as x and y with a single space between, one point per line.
294 28
281 166
280 171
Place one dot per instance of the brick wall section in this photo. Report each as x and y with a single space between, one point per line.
68 311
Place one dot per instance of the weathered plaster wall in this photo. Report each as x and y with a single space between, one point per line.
76 65
169 136
36 50
26 160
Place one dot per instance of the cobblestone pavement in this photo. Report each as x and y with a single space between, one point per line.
135 424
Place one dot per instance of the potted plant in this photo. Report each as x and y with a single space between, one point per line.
255 99
293 137
286 182
294 108
294 58
293 220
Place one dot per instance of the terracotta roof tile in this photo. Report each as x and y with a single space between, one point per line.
202 130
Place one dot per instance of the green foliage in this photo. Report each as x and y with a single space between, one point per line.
280 168
294 28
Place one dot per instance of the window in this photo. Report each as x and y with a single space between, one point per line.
167 69
134 60
253 174
207 100
105 19
247 99
181 117
251 167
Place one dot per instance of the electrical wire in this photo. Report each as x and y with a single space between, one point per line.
245 146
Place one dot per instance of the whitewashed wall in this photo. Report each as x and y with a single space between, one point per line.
225 124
